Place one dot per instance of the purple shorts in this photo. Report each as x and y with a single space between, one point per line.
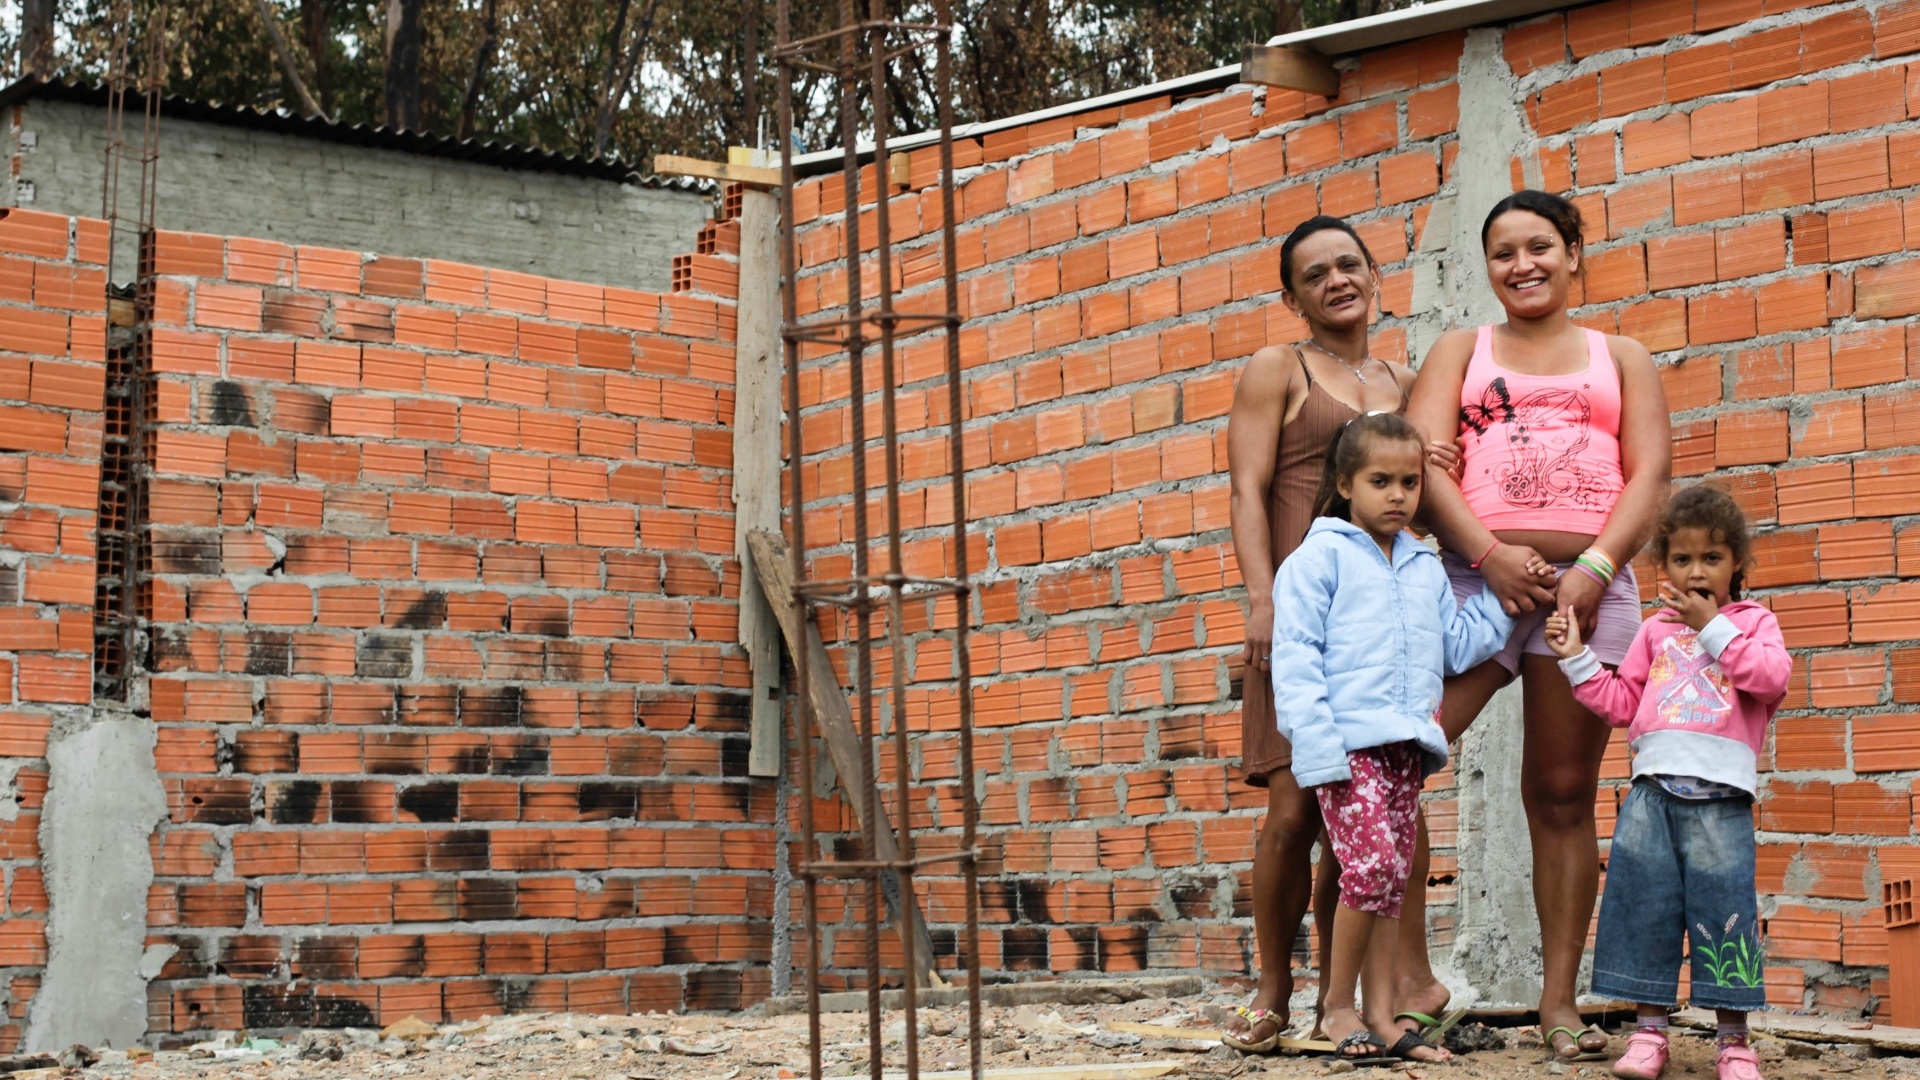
1613 630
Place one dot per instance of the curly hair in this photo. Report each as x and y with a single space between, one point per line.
1347 453
1703 506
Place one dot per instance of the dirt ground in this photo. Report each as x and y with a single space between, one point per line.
746 1047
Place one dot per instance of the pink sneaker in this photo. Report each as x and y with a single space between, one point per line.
1646 1058
1737 1062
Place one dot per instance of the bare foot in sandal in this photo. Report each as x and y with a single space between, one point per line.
1575 1044
1254 1030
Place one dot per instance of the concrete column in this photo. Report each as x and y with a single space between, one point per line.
104 800
1496 952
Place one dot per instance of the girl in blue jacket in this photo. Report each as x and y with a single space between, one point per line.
1365 628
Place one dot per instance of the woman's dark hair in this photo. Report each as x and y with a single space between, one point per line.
1564 215
1706 507
1348 452
1316 224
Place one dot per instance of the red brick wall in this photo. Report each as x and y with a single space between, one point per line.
450 715
1754 209
52 368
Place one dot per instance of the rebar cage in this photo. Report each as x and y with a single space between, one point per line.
884 872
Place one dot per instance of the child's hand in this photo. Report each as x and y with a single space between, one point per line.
1563 634
1688 607
1542 569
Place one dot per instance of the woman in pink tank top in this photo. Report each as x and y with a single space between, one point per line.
1567 455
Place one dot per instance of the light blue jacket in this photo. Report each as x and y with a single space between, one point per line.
1360 647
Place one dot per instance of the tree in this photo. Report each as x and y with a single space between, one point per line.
36 37
405 40
629 78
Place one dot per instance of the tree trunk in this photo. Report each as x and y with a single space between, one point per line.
405 35
617 85
316 24
482 61
308 107
36 38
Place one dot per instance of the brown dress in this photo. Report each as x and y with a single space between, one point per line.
1296 480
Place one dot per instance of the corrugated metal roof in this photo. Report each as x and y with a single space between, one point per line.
501 154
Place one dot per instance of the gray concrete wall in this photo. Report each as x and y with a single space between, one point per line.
239 182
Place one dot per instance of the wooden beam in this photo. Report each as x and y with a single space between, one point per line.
1289 69
756 464
830 711
750 175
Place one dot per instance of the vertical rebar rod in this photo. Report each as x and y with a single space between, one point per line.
859 644
963 597
802 740
890 438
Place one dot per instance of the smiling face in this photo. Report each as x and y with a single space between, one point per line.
1529 265
1698 562
1332 282
1384 491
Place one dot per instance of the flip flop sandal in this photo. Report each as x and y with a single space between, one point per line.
1430 1029
1254 1018
1579 1054
1408 1042
1368 1040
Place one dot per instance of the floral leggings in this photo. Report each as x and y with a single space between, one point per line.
1372 820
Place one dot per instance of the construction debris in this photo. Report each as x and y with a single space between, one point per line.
1146 1037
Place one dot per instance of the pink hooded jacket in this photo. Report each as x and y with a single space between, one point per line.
1694 704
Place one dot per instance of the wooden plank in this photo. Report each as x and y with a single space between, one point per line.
1159 1031
835 721
754 176
756 158
1118 1070
758 361
1289 69
1813 1029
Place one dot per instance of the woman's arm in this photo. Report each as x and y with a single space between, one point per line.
1646 461
1253 445
1435 411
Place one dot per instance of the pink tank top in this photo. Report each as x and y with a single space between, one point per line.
1542 452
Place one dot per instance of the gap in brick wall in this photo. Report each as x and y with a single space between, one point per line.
122 511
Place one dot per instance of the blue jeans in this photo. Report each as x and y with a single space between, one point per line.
1680 869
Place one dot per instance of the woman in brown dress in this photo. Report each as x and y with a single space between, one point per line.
1289 402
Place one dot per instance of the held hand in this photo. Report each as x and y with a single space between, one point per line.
1687 607
1507 569
1258 654
1446 457
1563 635
1578 594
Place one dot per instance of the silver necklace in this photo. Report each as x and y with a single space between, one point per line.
1358 373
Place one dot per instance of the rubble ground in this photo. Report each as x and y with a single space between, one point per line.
749 1047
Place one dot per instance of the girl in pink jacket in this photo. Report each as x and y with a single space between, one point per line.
1696 692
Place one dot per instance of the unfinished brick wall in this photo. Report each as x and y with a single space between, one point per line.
1751 179
450 716
52 367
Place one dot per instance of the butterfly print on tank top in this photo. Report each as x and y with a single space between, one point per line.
1547 432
